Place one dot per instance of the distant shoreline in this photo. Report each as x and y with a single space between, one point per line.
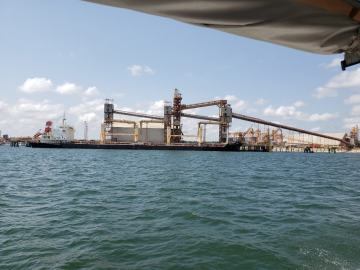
317 150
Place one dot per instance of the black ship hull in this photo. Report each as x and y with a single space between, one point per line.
227 147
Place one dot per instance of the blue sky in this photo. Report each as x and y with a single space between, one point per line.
69 55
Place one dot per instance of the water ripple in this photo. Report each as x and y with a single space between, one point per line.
104 209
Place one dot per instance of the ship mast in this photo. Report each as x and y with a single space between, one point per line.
64 119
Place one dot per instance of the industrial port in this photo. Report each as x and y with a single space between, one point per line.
165 132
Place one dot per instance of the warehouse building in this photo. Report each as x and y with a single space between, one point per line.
153 133
305 139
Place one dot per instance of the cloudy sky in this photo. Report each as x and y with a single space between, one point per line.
69 55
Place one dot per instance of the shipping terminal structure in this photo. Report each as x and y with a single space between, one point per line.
165 132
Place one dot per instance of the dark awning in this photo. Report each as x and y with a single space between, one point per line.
316 26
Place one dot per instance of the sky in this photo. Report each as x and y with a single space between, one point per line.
68 56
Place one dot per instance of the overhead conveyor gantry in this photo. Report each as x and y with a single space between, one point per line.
142 115
201 117
224 113
260 121
225 117
220 103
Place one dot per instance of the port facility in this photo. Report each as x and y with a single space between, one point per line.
165 132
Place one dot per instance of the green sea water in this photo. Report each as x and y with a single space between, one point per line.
117 209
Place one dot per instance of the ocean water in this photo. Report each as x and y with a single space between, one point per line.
117 209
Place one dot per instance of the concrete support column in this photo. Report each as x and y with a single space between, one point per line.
168 137
136 133
200 131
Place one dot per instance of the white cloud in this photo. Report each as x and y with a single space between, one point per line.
137 70
6 122
284 111
322 117
157 108
315 129
227 97
322 92
345 79
261 101
149 70
92 91
3 108
68 89
33 112
352 99
119 95
89 118
351 122
240 105
87 107
230 97
26 116
355 110
251 110
36 85
90 111
299 103
334 63
290 112
157 105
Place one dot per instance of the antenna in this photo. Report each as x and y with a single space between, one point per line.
85 131
109 101
64 119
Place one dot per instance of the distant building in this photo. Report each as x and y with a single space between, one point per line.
24 139
6 136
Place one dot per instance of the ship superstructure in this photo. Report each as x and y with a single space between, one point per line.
61 134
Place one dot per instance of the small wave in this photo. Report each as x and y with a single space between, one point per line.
203 219
87 192
74 213
315 205
168 189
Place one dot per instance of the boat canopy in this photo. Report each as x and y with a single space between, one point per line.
316 26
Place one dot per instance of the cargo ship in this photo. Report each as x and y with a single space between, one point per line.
62 136
152 132
134 146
